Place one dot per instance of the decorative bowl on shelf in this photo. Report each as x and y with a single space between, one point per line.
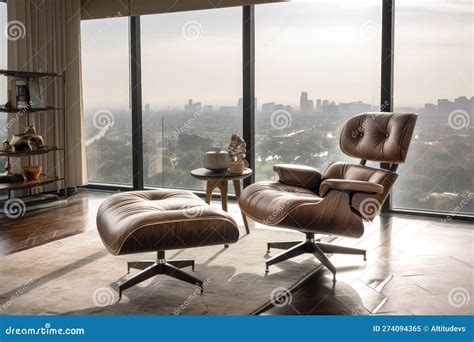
32 172
217 160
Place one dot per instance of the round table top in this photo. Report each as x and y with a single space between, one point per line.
205 174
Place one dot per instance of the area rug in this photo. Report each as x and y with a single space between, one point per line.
77 276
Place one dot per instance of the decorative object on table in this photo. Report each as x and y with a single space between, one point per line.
8 176
7 147
36 92
21 97
237 152
217 160
28 141
32 172
8 104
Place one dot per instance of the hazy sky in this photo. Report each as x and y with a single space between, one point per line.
330 49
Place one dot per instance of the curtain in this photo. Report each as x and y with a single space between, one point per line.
48 40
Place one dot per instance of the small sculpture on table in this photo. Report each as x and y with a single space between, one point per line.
237 152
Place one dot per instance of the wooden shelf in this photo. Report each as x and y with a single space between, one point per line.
43 180
27 74
29 153
13 75
27 110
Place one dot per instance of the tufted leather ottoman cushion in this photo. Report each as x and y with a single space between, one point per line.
163 219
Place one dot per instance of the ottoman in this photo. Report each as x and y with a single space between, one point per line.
157 221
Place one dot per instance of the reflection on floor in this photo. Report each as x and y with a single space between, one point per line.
415 266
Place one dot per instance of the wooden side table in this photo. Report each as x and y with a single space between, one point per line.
220 180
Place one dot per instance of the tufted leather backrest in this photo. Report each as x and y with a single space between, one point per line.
383 137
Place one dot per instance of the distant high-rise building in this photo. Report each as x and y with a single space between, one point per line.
430 108
463 103
268 107
319 106
303 100
306 106
325 102
353 107
192 107
445 106
330 109
147 108
284 107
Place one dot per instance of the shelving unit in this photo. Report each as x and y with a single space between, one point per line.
58 151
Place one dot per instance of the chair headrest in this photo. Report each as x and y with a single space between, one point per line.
383 137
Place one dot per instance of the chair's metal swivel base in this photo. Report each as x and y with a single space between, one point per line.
318 249
160 266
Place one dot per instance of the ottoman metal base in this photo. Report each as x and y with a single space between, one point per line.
160 266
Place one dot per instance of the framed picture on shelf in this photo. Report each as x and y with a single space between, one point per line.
20 93
36 92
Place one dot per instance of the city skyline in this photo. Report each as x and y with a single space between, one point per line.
298 46
322 106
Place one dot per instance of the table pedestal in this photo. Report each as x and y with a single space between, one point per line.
222 185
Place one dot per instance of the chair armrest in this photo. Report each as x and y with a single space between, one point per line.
350 186
298 175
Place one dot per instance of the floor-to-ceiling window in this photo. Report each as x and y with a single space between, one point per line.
105 78
433 77
317 63
192 89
